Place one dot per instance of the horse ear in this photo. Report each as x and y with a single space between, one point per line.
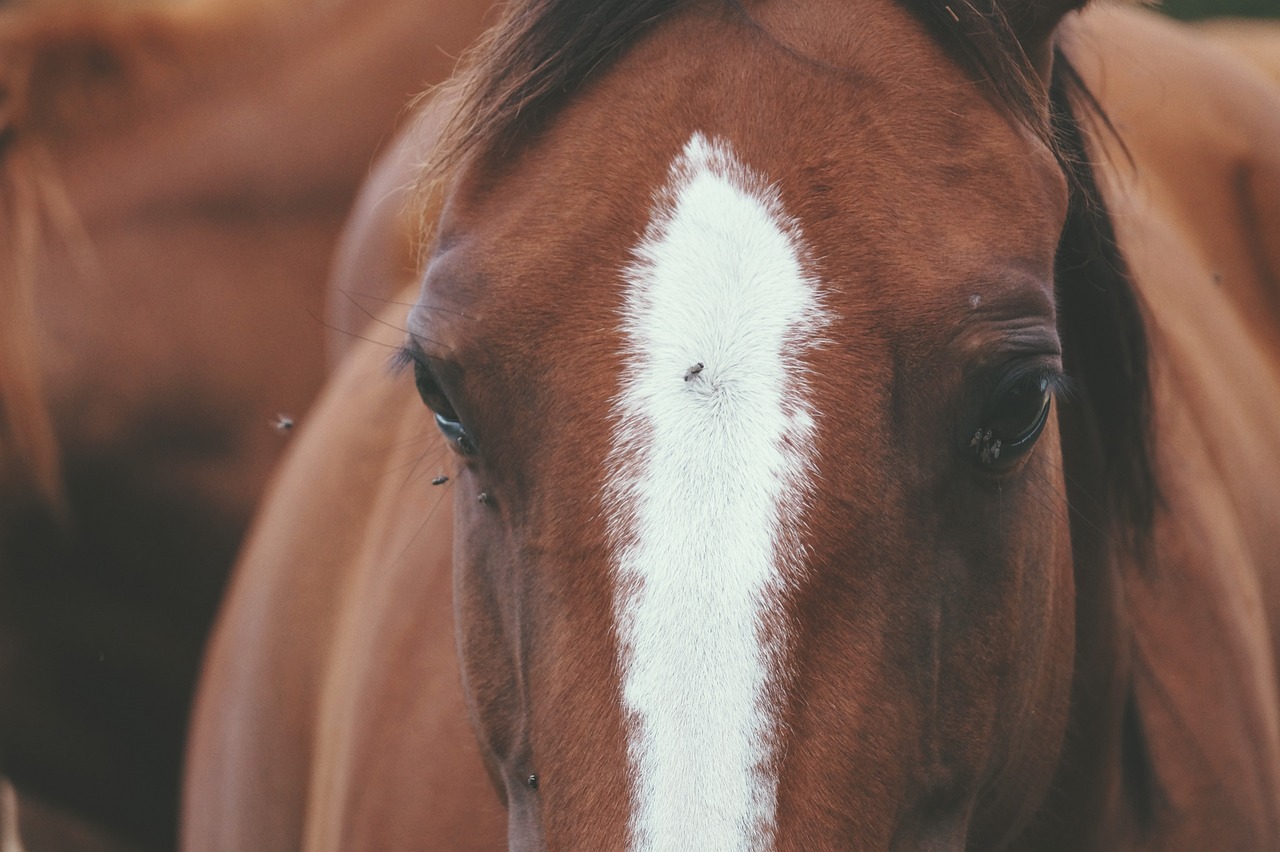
1034 22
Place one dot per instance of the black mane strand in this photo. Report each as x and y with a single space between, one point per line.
1100 321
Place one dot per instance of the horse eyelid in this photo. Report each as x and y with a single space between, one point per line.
410 356
1057 383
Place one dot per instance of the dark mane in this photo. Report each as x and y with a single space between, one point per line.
543 50
538 54
1100 321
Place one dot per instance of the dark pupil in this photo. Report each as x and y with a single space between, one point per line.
431 394
446 418
1019 411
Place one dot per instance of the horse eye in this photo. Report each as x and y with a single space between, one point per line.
446 418
1013 421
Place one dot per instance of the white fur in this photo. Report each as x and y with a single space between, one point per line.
709 476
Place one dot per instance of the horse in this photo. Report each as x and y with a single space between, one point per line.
175 178
832 425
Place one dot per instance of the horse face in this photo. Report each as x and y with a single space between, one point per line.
749 363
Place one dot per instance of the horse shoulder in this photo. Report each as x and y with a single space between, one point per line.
252 731
330 714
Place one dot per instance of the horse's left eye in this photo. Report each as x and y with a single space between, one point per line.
1013 420
446 418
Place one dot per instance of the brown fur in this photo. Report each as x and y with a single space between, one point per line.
1255 40
190 166
1071 658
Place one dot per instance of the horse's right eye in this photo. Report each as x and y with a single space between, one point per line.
430 392
446 418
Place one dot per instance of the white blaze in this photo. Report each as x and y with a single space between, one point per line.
708 478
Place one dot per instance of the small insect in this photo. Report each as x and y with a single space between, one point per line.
533 782
283 423
484 499
694 371
440 480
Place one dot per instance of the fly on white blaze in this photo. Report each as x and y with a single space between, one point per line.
709 476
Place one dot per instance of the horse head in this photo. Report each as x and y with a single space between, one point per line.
749 350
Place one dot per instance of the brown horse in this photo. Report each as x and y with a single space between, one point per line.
861 438
175 178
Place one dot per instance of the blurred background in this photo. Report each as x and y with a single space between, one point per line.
1192 9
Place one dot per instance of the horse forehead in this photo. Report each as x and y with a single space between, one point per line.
845 146
888 176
